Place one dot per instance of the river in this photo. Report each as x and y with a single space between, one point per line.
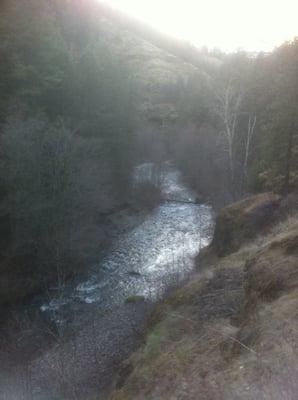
95 327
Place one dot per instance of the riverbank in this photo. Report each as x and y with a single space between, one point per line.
75 343
29 336
21 280
231 332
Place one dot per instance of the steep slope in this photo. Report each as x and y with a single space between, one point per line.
62 60
230 333
160 65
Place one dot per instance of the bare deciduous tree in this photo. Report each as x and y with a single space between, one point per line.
229 101
252 119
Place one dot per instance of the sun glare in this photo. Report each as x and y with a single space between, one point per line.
256 25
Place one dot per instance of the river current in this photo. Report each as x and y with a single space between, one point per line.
149 259
95 327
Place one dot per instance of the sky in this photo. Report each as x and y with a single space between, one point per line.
252 25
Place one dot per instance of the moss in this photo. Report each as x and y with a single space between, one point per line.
135 299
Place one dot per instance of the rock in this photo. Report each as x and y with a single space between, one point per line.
134 273
200 200
134 299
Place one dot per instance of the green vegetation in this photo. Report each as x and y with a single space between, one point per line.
242 115
88 94
67 138
135 299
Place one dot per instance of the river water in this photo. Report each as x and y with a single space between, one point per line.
148 259
95 327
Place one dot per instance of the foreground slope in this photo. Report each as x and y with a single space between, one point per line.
230 333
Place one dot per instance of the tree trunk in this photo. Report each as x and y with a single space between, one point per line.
288 161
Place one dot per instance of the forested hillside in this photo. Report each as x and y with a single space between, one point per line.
241 125
67 135
77 90
85 96
90 100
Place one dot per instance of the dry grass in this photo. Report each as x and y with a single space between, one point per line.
231 333
240 222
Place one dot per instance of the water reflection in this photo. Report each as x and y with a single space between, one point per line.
148 259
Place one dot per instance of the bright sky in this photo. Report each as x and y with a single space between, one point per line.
253 25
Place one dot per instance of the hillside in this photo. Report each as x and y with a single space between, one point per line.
157 65
88 84
118 146
231 332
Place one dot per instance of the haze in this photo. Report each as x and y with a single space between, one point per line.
229 25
